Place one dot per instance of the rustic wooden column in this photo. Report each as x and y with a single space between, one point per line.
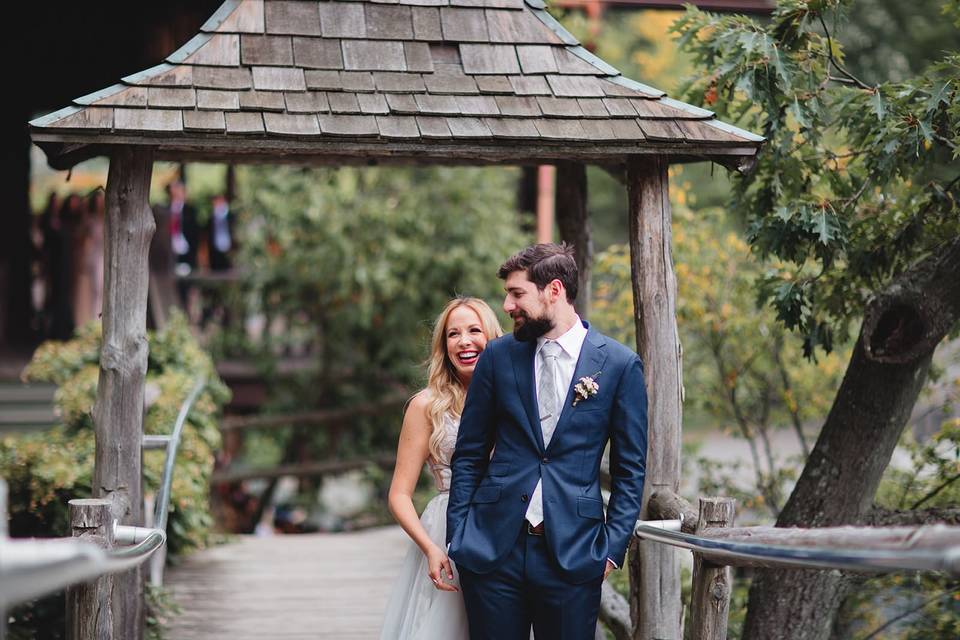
118 412
654 569
574 226
89 611
546 176
712 584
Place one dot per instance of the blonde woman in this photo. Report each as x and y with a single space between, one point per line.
426 601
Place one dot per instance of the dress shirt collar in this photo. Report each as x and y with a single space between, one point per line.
571 342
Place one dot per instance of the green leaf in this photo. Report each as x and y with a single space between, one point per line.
939 96
878 105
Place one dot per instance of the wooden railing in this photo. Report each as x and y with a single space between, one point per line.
716 545
100 547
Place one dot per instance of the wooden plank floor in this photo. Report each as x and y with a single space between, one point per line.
288 587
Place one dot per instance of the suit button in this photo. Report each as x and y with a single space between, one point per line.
546 459
523 498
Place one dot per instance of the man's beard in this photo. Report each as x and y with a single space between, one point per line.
531 328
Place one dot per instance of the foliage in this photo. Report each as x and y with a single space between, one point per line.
854 183
739 368
46 470
161 607
354 264
925 605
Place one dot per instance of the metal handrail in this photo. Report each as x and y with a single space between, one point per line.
863 560
32 567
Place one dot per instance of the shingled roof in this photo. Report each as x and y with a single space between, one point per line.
428 80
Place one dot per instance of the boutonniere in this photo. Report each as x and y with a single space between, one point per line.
586 388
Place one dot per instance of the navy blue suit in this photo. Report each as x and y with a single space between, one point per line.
489 496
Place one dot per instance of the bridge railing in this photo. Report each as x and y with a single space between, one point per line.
717 546
30 568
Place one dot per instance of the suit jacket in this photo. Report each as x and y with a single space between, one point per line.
489 496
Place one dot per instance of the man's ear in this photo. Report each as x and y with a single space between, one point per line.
557 290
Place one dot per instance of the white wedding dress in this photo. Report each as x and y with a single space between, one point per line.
417 610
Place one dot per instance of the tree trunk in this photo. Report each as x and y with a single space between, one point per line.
902 326
118 412
574 226
654 568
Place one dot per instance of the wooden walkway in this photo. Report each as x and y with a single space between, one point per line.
288 587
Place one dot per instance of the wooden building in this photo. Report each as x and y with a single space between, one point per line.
467 82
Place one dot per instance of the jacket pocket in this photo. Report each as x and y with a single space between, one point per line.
590 508
498 468
486 494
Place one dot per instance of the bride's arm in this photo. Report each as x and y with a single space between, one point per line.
412 452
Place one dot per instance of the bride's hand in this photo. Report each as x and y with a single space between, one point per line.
440 569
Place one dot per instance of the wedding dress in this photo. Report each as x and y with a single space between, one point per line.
417 610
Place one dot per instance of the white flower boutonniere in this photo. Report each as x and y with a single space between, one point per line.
586 388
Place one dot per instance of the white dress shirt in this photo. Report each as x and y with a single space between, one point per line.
571 343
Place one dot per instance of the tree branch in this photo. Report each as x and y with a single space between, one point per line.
933 493
908 613
852 79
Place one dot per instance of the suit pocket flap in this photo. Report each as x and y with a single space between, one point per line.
498 468
590 508
486 494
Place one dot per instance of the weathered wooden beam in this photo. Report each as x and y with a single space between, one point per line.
712 584
574 224
654 568
615 613
89 610
219 148
937 536
666 505
309 469
118 411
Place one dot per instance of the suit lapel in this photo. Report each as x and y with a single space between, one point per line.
522 356
592 356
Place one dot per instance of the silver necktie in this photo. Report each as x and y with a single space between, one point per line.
548 398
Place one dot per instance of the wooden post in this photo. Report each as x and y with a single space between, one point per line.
654 568
574 226
546 175
712 584
118 412
89 611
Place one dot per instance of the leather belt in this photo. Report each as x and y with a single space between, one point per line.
535 530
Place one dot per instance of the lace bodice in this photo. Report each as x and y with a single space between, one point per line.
441 468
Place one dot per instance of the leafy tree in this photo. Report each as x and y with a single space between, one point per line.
354 264
855 193
740 370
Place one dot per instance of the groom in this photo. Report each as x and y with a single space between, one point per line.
525 521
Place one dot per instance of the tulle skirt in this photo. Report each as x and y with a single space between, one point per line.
417 610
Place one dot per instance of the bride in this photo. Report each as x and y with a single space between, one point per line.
426 601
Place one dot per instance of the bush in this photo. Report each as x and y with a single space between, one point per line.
46 470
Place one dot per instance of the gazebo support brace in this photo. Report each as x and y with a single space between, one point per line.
573 224
655 572
118 412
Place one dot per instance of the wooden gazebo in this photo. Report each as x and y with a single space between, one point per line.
402 81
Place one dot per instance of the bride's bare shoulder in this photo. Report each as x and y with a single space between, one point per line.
420 402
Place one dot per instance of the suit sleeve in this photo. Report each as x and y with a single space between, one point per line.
628 455
475 439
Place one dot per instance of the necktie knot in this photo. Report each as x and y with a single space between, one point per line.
551 349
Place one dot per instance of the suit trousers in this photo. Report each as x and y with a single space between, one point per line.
528 589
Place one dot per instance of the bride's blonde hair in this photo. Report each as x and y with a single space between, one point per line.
446 393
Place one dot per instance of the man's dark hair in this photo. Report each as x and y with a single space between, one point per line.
545 263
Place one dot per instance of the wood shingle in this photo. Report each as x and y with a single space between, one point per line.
467 73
